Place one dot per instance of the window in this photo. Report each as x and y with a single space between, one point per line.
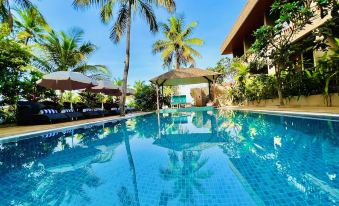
308 59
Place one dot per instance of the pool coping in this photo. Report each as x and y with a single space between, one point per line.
18 137
299 114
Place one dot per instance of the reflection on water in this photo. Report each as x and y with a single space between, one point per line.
201 158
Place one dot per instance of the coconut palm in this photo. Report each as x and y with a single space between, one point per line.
123 23
177 45
6 9
118 82
139 85
67 52
31 25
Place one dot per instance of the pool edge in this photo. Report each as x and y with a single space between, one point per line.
18 137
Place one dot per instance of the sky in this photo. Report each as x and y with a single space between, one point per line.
215 19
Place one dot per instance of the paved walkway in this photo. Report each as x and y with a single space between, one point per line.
18 130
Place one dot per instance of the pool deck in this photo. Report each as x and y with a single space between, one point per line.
24 130
327 111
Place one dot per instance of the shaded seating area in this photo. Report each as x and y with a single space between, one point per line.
72 115
48 112
32 113
183 76
46 116
178 101
29 113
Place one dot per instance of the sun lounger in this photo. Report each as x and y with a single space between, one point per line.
47 116
102 112
72 115
115 111
90 113
178 101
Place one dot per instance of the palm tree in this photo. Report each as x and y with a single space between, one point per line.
139 85
123 23
31 25
177 45
118 82
6 15
67 52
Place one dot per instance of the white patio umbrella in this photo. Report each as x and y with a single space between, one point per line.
66 80
105 87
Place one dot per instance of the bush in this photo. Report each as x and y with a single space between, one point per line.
90 99
146 98
13 58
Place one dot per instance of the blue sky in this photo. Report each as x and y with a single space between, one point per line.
215 19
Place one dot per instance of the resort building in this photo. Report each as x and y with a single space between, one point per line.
255 14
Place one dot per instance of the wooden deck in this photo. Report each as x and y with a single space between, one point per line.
12 130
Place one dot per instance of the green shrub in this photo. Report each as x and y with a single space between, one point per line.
146 98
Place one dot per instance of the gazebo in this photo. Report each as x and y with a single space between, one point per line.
185 76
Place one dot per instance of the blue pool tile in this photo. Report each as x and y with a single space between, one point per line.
218 158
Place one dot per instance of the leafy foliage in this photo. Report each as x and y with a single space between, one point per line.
90 99
125 8
224 67
13 58
31 91
123 23
67 52
145 97
276 42
31 25
177 45
6 7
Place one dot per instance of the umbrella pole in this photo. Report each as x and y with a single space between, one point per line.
158 107
71 99
102 105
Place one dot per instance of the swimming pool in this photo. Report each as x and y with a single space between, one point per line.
199 158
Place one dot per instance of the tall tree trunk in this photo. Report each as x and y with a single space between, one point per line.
177 60
128 48
279 87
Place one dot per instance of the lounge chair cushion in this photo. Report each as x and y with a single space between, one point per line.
48 111
67 111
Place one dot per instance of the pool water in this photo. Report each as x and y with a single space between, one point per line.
199 158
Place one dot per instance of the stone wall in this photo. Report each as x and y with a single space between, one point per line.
306 101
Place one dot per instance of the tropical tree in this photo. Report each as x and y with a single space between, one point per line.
118 82
6 15
67 52
123 24
225 68
14 57
138 85
177 45
31 25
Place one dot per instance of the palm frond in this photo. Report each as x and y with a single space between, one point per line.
147 11
120 25
82 4
195 41
106 12
169 5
